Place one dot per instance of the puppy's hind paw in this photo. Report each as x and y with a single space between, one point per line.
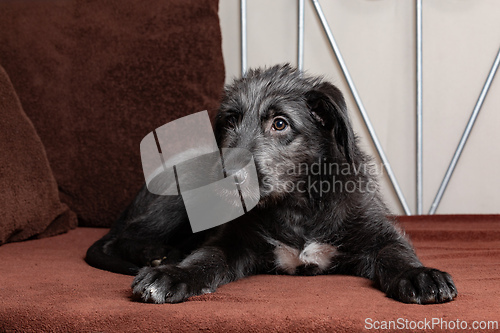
423 285
163 284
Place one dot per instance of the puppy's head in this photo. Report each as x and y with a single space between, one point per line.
288 122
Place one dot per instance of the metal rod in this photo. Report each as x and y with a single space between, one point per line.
465 135
300 42
361 107
243 21
420 166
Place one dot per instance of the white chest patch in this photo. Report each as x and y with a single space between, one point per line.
288 258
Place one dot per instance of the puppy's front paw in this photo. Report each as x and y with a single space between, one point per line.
165 284
423 285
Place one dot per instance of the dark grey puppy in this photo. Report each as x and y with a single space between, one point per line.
319 212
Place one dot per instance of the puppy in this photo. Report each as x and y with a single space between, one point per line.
319 211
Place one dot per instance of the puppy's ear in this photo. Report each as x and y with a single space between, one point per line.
328 108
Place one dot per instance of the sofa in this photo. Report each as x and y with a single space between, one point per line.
81 83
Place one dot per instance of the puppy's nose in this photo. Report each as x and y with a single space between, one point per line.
236 161
240 176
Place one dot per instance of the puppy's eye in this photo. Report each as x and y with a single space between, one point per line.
279 124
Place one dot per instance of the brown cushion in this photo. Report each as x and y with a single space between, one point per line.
46 286
29 200
96 76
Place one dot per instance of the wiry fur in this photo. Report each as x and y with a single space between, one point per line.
293 230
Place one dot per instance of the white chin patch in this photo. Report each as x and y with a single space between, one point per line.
288 258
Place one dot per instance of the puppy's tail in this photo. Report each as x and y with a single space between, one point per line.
97 258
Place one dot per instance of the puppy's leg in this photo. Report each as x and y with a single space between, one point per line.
221 261
201 272
402 277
